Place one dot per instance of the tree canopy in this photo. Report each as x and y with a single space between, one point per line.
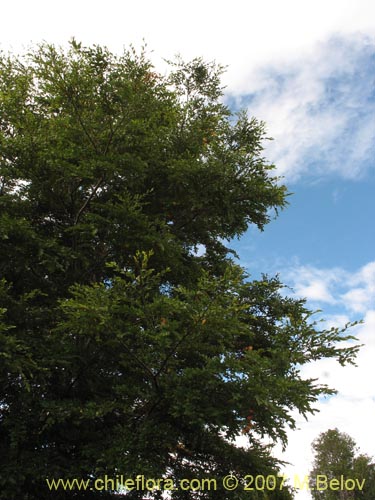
131 341
336 454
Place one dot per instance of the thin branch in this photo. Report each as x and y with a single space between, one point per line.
173 351
84 127
143 365
87 201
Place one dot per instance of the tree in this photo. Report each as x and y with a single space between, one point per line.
336 456
124 350
364 469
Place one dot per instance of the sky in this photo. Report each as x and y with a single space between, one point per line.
307 69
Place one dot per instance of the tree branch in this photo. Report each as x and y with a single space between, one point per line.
87 201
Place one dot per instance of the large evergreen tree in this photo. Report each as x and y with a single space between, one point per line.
123 348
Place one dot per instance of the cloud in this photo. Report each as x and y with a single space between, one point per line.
316 290
352 410
353 292
314 94
353 417
241 34
362 295
315 285
320 109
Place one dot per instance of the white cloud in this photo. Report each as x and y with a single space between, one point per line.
361 296
277 49
352 410
336 320
320 109
350 291
316 285
355 416
241 34
357 299
317 290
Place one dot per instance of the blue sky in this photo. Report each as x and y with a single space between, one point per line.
321 112
319 244
326 224
307 69
319 106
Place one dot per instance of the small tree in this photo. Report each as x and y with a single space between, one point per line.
335 456
364 468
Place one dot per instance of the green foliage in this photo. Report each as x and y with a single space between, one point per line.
123 350
336 456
